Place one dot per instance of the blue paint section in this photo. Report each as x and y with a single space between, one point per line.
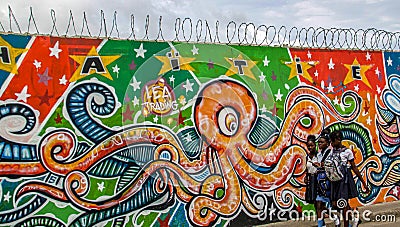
17 41
392 63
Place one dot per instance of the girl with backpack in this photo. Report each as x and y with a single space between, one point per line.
323 201
343 188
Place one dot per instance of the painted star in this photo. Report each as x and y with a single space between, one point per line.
195 50
363 68
389 61
278 96
55 51
172 79
369 120
116 69
246 69
9 64
188 138
377 72
135 84
63 80
304 65
316 74
23 95
132 66
330 87
356 87
155 119
331 65
188 86
100 186
263 109
368 56
262 77
135 101
140 52
210 64
37 64
378 89
266 61
44 99
184 63
127 115
7 197
44 77
309 55
80 59
58 119
336 101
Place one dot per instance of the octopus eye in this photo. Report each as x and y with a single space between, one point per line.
228 121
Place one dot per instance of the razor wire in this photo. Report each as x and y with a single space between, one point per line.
202 31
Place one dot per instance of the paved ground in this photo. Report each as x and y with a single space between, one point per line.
383 214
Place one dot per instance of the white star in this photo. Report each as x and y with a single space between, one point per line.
368 56
263 109
37 64
135 84
23 95
55 50
316 73
369 120
7 197
188 138
331 65
116 69
308 54
266 61
278 95
172 79
330 87
195 50
336 101
155 119
356 88
188 86
135 101
100 186
63 80
395 191
389 62
262 77
140 52
378 89
377 72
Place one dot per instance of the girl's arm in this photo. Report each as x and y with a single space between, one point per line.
357 172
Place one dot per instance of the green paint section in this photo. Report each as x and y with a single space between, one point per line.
67 210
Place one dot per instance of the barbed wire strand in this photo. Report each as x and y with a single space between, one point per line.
241 34
71 18
32 18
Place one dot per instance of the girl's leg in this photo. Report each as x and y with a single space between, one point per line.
319 206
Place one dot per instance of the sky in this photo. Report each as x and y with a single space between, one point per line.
356 14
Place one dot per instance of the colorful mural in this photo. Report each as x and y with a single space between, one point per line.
140 133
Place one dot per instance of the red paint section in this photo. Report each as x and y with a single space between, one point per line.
44 81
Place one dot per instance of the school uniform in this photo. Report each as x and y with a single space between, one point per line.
345 188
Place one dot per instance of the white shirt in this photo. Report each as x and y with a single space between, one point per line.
310 167
346 156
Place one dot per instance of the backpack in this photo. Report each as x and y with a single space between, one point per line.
334 167
323 182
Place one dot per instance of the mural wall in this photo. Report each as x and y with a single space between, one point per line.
139 133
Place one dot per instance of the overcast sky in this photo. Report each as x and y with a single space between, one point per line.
380 14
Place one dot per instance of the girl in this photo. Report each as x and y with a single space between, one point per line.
344 189
311 177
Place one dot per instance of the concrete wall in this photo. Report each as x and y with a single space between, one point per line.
131 133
